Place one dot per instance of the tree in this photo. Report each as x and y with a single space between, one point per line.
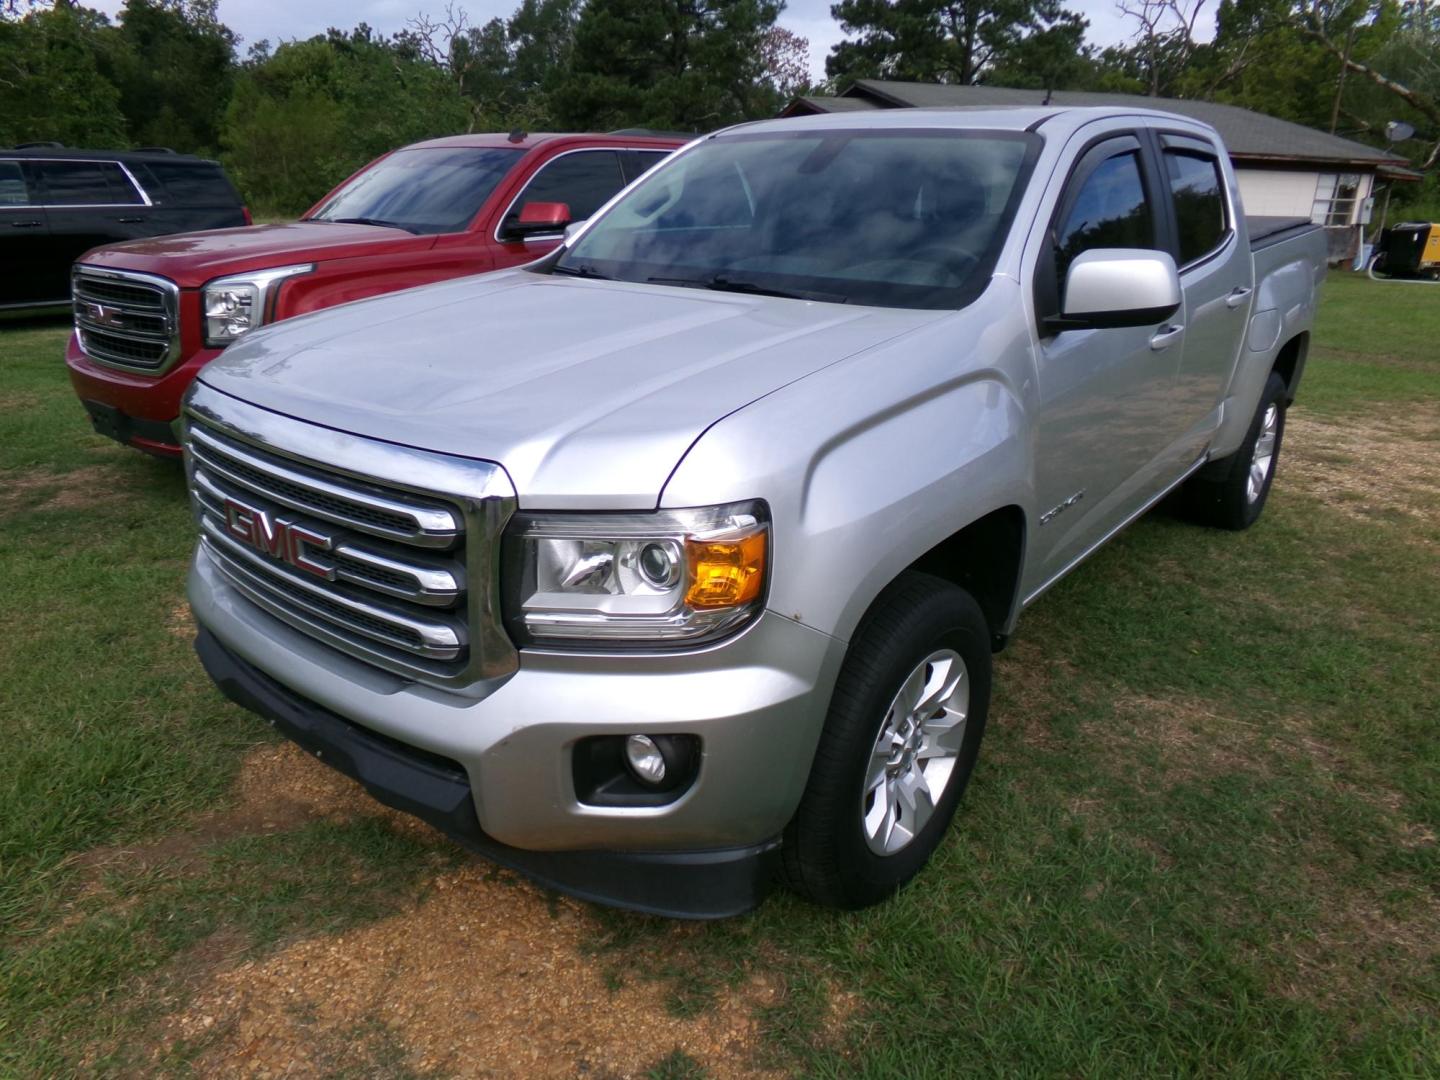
173 63
305 116
50 83
948 41
1164 40
675 64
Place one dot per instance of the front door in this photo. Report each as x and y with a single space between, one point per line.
24 240
1107 413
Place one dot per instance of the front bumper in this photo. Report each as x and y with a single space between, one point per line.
757 703
133 408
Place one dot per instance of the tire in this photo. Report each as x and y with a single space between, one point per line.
1224 494
919 624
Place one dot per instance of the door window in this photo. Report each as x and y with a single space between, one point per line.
86 183
12 185
1110 211
1195 185
638 162
583 181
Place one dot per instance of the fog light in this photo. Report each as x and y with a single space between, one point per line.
645 759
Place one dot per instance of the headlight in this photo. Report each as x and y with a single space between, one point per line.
236 304
607 580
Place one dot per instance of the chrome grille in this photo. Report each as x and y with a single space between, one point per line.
370 568
126 319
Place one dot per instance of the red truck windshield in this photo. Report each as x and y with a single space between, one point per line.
431 190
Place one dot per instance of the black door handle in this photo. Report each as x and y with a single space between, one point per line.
130 220
24 224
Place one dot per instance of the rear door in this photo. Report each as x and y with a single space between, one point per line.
1106 413
188 196
24 239
88 203
583 180
1215 273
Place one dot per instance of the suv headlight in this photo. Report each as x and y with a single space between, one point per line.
615 580
242 302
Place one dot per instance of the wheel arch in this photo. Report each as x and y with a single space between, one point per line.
1290 363
985 559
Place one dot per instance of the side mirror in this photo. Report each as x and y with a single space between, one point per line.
1114 287
538 219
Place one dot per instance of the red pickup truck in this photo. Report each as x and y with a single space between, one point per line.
150 313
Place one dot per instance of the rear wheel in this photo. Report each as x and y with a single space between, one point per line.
1231 493
899 745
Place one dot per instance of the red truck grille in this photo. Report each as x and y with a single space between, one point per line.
125 319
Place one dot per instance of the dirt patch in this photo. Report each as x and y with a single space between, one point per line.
486 977
18 401
279 788
1186 736
1362 946
42 489
1368 466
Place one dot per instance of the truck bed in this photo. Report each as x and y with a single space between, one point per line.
1265 231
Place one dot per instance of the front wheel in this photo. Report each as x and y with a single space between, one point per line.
1231 493
898 746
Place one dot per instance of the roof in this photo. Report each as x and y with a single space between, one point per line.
1248 135
528 140
69 153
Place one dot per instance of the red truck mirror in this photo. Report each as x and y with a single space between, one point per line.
537 218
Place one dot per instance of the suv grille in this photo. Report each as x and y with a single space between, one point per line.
126 320
374 570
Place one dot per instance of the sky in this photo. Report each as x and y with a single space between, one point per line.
279 20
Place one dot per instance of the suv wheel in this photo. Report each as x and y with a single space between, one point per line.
1231 493
898 747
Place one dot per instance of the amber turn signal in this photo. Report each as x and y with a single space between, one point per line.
725 573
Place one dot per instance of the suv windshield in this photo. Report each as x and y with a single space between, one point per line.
425 191
895 218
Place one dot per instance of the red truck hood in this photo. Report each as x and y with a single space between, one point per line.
192 259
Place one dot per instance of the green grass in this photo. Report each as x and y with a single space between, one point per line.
1201 838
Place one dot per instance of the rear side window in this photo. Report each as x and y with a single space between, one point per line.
86 183
12 185
637 162
1110 211
192 184
583 181
1199 204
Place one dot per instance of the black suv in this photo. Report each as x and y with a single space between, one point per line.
56 204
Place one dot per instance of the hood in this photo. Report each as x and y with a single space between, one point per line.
587 392
191 259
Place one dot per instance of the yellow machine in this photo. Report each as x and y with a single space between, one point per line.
1410 249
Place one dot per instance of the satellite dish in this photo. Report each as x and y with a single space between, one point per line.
1398 131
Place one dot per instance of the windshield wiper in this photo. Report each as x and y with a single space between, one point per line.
366 221
580 271
721 283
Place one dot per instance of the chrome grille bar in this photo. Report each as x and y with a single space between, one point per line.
432 639
126 319
366 511
331 534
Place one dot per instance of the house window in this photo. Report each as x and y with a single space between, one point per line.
1335 198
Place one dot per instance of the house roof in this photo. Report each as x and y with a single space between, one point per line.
1248 135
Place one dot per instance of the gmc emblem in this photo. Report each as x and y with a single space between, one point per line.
280 539
101 315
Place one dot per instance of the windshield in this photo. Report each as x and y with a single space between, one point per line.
425 191
896 218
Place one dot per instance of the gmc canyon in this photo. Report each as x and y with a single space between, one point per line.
672 563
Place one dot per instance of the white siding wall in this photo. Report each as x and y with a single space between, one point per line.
1283 193
1271 193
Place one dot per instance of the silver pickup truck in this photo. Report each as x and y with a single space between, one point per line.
673 563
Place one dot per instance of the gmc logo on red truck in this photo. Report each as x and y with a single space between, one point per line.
277 538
